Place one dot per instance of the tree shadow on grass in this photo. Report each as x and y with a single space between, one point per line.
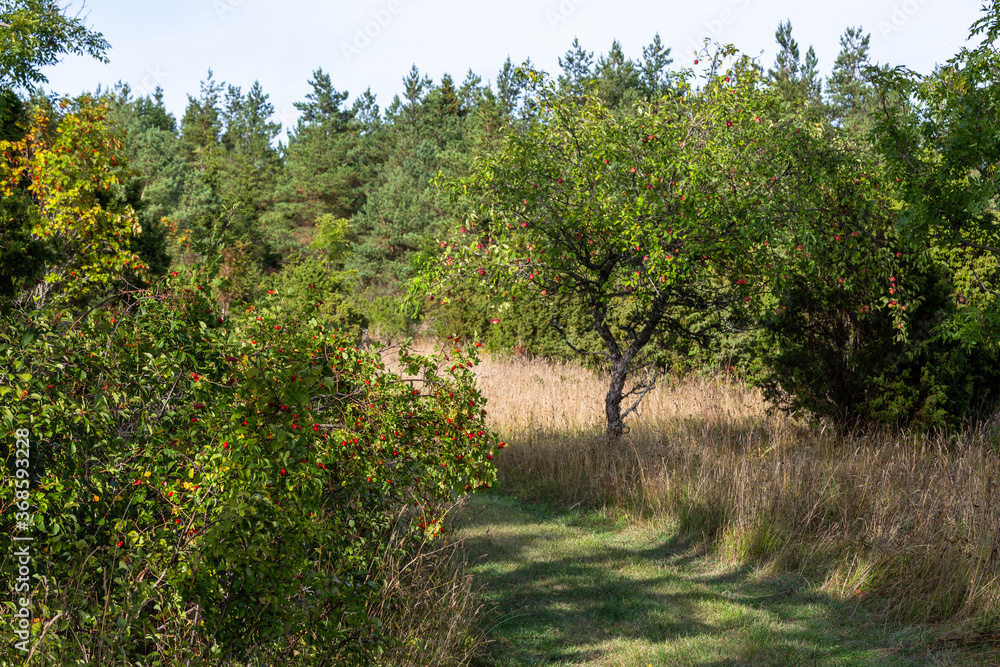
560 594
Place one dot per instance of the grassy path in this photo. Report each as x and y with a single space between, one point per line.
571 588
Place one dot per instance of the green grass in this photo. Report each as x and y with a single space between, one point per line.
585 588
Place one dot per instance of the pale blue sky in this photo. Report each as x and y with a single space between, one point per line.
281 43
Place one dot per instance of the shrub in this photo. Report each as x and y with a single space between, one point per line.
311 284
221 488
383 313
833 351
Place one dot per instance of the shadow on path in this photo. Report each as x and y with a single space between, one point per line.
565 594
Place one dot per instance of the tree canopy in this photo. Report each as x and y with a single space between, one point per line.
38 34
697 203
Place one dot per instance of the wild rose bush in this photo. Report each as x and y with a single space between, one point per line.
221 487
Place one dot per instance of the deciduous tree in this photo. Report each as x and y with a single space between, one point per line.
75 166
692 204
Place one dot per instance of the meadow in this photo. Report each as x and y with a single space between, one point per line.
900 525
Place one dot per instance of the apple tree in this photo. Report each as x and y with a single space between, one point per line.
697 203
940 135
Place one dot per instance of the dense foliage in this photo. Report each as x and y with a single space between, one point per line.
208 485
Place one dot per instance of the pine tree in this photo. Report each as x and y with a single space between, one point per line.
850 95
201 126
577 67
250 168
449 103
326 169
365 113
200 135
655 60
787 62
323 105
227 138
510 88
414 86
404 210
795 80
160 173
618 78
811 80
471 91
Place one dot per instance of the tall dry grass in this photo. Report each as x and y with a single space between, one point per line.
428 602
912 522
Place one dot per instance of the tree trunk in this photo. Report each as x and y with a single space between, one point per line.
613 401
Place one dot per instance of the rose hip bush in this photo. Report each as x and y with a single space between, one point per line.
221 488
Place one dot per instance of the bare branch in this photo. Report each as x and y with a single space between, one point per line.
641 390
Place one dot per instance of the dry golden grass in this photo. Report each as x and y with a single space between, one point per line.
908 521
428 601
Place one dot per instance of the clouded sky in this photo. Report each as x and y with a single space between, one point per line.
373 43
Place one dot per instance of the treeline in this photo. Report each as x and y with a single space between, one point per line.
355 184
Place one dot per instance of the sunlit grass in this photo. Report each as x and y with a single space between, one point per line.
900 525
563 589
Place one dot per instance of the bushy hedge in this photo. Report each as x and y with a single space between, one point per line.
215 489
831 348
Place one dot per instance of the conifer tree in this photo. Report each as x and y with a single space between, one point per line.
618 77
326 165
577 65
850 96
655 60
425 134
